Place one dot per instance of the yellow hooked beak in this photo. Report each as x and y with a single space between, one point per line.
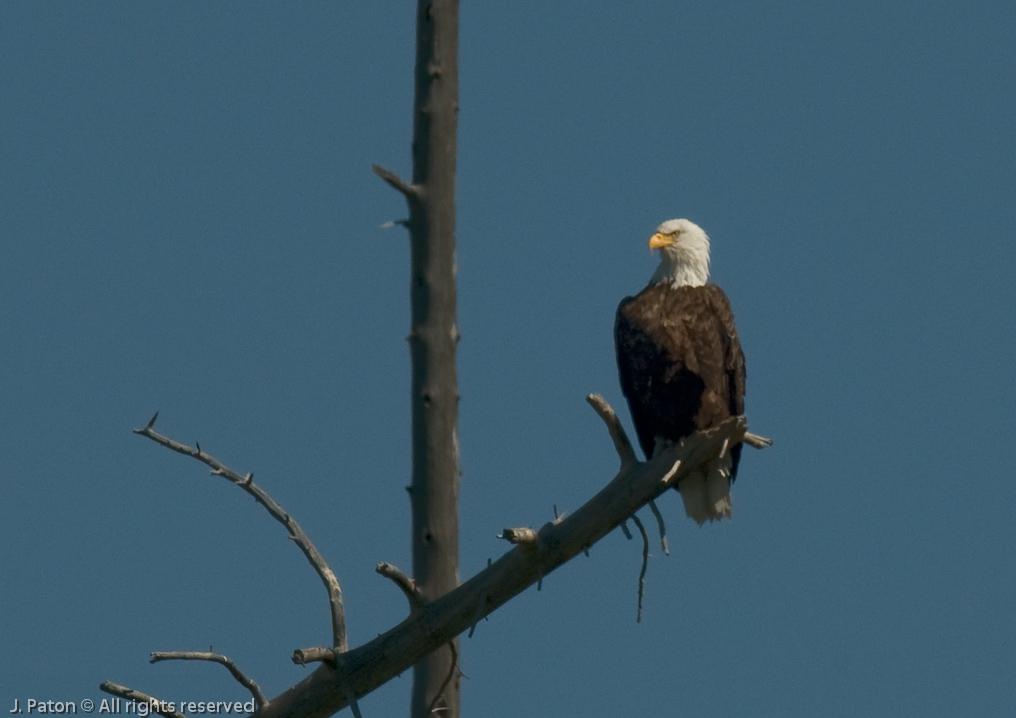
658 241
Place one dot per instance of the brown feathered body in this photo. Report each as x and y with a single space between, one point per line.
681 370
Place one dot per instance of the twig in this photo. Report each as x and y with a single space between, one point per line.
756 441
340 673
242 679
154 704
621 443
303 656
395 181
353 705
295 532
645 563
525 537
448 678
669 476
663 527
404 582
625 530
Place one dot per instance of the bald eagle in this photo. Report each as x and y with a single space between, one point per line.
680 362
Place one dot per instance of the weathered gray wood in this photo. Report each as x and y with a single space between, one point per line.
434 336
363 669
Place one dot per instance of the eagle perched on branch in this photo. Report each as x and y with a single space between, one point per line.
680 362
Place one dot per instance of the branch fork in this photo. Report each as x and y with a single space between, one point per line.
345 675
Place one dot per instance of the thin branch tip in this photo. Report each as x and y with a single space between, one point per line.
665 481
155 705
296 533
645 565
241 678
622 444
303 656
404 582
663 527
394 181
756 441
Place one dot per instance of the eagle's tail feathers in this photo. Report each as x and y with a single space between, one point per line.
706 495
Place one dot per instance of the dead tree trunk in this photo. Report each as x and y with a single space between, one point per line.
434 336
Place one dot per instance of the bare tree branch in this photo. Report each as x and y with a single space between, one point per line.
663 527
340 667
621 443
522 537
395 181
645 564
441 620
303 656
295 532
343 676
157 706
756 441
671 478
243 680
353 705
404 582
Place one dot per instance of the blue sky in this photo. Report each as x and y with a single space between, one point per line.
189 223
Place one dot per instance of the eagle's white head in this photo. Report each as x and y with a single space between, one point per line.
684 253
